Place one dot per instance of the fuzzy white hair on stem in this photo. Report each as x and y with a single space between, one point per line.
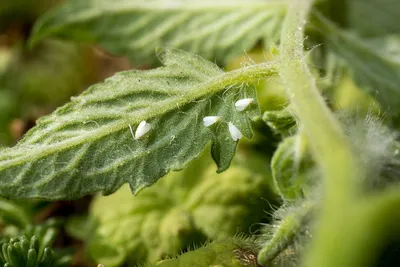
210 120
142 129
234 131
242 104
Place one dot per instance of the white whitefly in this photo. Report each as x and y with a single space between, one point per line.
234 131
210 120
142 129
242 104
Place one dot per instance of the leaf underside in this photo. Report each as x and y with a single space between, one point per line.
217 30
373 18
374 63
86 146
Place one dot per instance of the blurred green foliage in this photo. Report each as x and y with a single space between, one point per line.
35 82
25 244
181 211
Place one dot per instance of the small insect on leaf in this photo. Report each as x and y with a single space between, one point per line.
144 101
242 104
142 129
210 120
235 133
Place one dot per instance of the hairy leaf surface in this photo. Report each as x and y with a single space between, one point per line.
216 30
87 145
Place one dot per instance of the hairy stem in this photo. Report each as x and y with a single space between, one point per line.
286 232
329 145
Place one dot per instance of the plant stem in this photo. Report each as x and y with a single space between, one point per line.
286 232
327 140
329 145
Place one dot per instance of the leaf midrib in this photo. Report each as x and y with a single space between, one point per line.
214 85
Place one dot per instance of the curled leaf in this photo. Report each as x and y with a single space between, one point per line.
280 121
292 168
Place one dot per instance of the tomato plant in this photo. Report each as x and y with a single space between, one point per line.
249 133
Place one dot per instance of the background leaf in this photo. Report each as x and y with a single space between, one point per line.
373 17
292 168
217 30
14 214
86 146
180 211
35 82
373 63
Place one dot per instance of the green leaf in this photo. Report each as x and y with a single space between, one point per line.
292 168
217 30
86 146
373 63
179 211
373 17
281 121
